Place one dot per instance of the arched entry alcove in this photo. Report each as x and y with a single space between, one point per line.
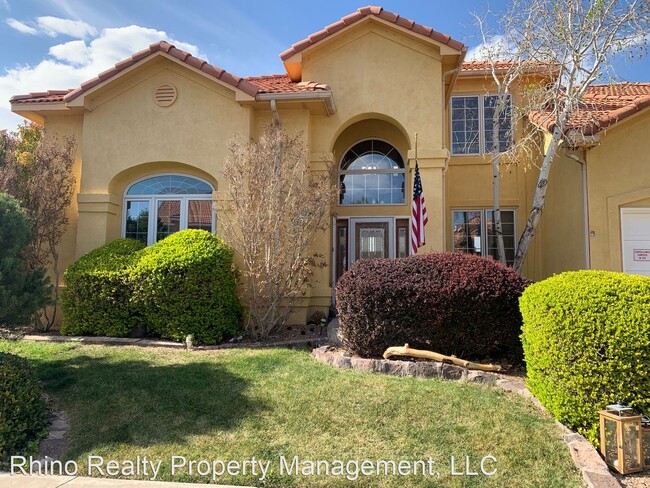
372 213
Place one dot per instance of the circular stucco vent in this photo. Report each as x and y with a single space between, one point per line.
165 95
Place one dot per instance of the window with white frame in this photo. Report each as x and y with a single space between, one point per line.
158 206
473 232
472 121
372 172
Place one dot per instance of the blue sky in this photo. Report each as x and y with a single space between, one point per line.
56 44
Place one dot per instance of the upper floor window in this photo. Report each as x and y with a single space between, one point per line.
472 121
372 172
158 206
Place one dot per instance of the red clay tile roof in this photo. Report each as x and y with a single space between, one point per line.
475 66
601 107
251 85
283 84
183 56
484 65
362 13
41 97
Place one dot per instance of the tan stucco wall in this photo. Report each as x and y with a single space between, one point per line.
128 136
562 224
379 73
618 175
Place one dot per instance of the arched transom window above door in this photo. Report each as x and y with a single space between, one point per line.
158 206
372 173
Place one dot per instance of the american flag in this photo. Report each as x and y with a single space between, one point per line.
419 217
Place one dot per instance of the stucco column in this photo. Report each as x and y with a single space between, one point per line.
320 292
432 164
99 220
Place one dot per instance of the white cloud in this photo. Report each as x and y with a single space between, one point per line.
73 52
73 62
4 4
495 47
53 26
21 27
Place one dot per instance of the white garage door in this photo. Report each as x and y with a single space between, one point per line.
635 229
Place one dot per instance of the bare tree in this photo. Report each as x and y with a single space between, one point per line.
577 40
37 171
272 212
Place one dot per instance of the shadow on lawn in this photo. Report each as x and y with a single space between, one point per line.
135 402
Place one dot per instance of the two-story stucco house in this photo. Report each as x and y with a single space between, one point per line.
153 132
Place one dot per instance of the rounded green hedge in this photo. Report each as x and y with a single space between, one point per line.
23 412
98 290
186 284
586 339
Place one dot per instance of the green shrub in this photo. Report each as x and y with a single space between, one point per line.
22 291
452 303
98 289
23 412
185 284
586 339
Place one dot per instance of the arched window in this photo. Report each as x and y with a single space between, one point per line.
158 206
372 173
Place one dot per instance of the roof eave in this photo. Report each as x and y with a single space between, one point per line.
320 96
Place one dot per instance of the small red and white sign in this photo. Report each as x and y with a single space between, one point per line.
641 254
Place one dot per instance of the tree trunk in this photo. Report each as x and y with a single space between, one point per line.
422 354
496 216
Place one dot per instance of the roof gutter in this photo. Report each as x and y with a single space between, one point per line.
455 72
324 96
447 96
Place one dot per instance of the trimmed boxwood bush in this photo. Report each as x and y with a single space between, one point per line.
98 289
452 303
586 339
185 284
23 412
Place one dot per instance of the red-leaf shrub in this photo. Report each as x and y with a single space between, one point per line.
452 303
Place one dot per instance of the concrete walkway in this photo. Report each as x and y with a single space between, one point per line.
20 481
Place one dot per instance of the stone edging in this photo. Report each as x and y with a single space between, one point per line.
56 442
595 472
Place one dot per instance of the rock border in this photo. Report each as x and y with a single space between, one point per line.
595 472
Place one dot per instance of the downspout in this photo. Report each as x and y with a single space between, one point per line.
274 110
445 99
446 96
585 202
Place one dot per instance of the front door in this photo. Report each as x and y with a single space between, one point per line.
368 238
371 240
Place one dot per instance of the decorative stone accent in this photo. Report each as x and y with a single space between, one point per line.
330 355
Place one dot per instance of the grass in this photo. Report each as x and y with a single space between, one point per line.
124 402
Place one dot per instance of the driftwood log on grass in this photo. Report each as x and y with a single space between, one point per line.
418 353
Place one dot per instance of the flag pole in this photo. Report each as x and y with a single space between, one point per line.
416 146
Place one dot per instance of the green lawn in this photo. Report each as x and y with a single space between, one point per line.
124 402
